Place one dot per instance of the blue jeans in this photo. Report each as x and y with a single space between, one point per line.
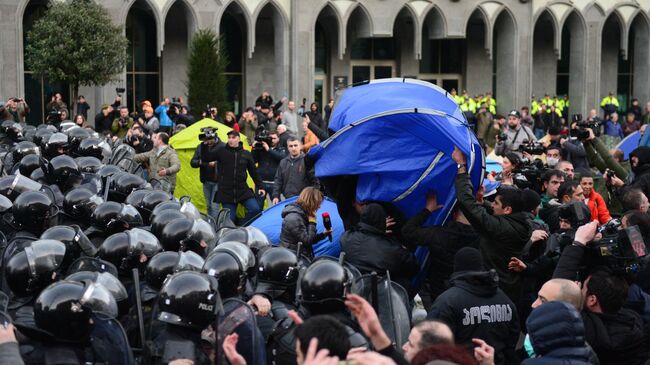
539 133
209 191
252 209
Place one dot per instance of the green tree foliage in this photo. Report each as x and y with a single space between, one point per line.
206 81
77 43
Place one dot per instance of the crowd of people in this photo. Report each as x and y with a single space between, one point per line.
544 263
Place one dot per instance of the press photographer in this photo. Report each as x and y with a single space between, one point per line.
573 149
510 139
205 160
267 153
138 139
123 123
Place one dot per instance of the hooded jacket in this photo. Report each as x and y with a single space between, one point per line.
369 249
475 307
557 335
233 164
291 176
616 338
642 169
296 227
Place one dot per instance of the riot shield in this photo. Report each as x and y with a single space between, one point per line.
391 302
110 342
238 317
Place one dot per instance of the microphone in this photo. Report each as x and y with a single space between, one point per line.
327 222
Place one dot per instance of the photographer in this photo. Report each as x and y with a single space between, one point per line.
267 153
150 122
574 151
510 139
205 159
184 117
18 108
137 139
166 123
123 123
248 124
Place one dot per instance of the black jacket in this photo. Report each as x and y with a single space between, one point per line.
292 176
268 161
369 249
203 155
232 166
317 119
616 338
296 227
475 307
502 237
443 242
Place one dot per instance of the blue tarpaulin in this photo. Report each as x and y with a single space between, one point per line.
270 222
397 135
630 143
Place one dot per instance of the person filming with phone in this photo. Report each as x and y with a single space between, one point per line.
233 162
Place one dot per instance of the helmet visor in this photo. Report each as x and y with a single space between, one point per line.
143 242
83 242
99 299
22 184
203 231
189 261
190 210
130 215
241 251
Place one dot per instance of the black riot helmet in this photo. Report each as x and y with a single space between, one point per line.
76 136
108 281
124 185
94 147
24 148
109 170
135 198
92 264
125 249
167 263
170 205
41 136
37 266
162 219
189 299
74 239
12 186
112 217
150 201
326 283
64 309
277 270
12 130
64 172
34 211
5 204
56 145
81 203
28 164
230 263
88 164
186 234
252 237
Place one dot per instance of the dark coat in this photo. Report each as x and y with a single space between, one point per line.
616 338
268 161
317 119
502 237
369 249
475 307
203 155
296 227
232 165
642 170
292 176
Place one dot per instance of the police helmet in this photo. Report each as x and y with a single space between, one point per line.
108 281
94 147
187 234
41 136
230 263
323 282
64 309
64 172
12 186
252 237
76 136
277 266
170 205
34 211
23 149
167 263
151 200
37 266
113 217
94 264
28 164
189 299
12 130
81 203
135 198
125 249
160 220
74 239
5 204
124 185
56 145
88 164
189 209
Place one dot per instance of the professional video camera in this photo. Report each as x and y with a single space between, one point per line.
532 147
621 250
120 90
529 175
502 137
581 131
262 135
208 133
174 108
54 116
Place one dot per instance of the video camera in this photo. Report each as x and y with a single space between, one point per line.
529 175
532 147
208 133
54 116
621 250
262 135
581 131
120 90
174 108
502 137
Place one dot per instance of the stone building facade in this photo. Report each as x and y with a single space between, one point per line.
308 48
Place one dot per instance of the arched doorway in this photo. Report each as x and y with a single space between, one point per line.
570 79
233 33
544 56
326 33
370 57
638 56
443 60
179 24
143 66
504 68
611 62
38 90
477 60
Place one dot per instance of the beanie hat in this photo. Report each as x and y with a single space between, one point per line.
468 259
374 215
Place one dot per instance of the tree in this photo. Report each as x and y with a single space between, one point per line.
206 81
77 43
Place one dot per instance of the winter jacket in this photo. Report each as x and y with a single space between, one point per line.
614 129
248 129
616 338
369 249
515 138
120 130
167 159
443 243
268 162
642 170
292 176
598 208
203 155
310 140
152 125
232 165
317 119
475 307
557 335
161 112
574 152
502 237
296 227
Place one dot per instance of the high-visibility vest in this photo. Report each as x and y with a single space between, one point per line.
534 107
559 104
607 100
472 105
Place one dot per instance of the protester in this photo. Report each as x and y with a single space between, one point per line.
299 221
163 162
292 174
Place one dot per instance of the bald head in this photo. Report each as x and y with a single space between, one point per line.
281 128
425 334
559 290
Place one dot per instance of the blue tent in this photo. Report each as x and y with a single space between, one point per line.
270 222
630 143
397 136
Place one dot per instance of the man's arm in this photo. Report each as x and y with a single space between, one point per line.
142 157
568 267
475 213
175 163
252 170
196 158
278 153
576 150
278 181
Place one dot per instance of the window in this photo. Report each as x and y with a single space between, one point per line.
234 37
143 66
625 79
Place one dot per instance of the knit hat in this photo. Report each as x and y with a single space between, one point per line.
468 259
374 215
147 109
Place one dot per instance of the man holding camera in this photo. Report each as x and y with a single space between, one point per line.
166 123
513 136
18 108
137 139
268 153
205 159
123 123
162 159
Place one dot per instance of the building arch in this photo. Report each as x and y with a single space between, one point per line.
505 67
477 60
250 30
157 17
193 17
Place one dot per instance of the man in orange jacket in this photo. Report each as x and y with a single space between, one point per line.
594 201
